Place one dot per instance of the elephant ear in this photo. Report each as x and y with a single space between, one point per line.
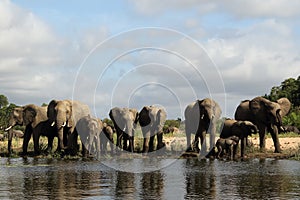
144 118
51 109
285 106
29 114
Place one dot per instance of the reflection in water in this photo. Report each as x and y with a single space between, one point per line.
183 179
200 179
152 185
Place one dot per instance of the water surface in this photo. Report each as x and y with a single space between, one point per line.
171 179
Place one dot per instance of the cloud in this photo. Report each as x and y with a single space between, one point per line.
239 9
28 49
259 57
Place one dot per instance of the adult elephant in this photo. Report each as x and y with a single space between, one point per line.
90 129
65 114
241 129
34 118
125 120
200 118
266 115
152 120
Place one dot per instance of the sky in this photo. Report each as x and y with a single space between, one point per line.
133 53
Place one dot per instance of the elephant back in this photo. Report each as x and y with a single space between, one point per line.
227 128
243 111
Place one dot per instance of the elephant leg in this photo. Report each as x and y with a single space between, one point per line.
36 139
212 136
230 151
188 139
97 144
131 144
274 134
50 144
119 139
219 151
27 136
160 143
262 135
151 142
146 144
125 139
235 148
243 146
10 136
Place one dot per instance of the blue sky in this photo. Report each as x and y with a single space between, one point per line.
228 50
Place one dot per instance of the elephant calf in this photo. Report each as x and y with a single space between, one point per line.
105 137
228 146
89 129
241 129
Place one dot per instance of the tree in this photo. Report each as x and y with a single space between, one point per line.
289 88
3 101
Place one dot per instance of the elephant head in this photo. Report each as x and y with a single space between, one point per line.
16 118
210 111
60 113
269 112
244 129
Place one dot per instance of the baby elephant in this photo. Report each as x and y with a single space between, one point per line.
106 136
89 129
228 145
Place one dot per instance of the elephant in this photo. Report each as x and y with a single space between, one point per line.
17 133
90 129
171 130
45 129
65 114
293 129
227 144
241 129
105 137
30 116
125 121
201 117
266 115
152 120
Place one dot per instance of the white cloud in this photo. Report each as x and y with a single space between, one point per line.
30 55
249 8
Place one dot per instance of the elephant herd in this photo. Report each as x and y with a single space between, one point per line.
68 119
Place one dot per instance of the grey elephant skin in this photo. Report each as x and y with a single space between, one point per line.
90 129
266 115
65 114
32 117
152 120
106 136
125 121
241 129
228 145
201 117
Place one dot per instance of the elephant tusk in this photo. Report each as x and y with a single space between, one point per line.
64 124
53 123
8 128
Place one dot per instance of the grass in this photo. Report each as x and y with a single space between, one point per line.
176 144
